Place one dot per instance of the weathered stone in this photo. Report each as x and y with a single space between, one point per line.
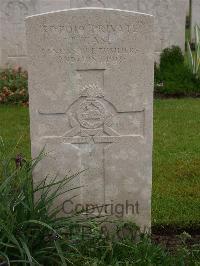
195 15
188 7
12 27
170 17
169 22
91 91
12 31
117 4
52 5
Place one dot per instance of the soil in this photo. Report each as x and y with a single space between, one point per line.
171 237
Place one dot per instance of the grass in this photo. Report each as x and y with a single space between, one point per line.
176 160
176 164
14 126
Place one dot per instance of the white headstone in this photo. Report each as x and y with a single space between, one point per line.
53 5
169 22
13 50
188 7
12 31
195 15
117 4
91 93
170 18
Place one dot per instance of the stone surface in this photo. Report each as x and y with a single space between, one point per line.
52 5
12 30
195 15
91 91
117 4
13 50
169 21
188 7
170 17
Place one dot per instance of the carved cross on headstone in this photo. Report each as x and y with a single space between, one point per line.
91 119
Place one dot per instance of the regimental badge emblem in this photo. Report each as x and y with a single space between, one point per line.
90 115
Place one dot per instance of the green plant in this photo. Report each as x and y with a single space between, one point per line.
30 231
171 56
175 163
32 234
127 251
193 58
14 86
173 77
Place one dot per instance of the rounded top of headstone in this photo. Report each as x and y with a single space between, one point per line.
88 9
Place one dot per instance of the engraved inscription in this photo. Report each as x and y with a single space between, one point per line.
90 54
91 42
85 29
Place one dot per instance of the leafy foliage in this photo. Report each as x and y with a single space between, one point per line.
173 77
193 58
171 56
14 86
31 232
